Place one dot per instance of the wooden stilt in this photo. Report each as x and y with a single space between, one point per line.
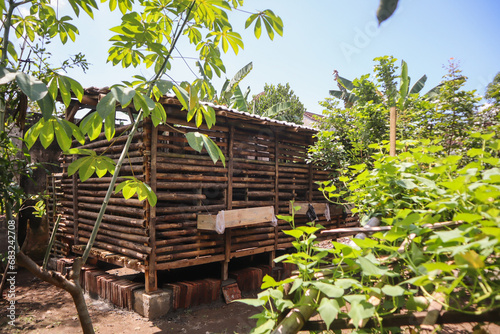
151 272
229 198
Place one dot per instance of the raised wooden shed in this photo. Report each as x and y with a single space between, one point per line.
265 169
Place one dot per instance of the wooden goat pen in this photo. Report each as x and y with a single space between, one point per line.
265 168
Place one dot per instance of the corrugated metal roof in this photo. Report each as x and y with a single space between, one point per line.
259 117
93 91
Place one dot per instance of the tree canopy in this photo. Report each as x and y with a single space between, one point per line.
279 102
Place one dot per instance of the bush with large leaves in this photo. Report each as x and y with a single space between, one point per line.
412 264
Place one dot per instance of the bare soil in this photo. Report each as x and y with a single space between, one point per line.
43 308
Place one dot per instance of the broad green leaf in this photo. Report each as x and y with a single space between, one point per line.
213 150
404 84
431 266
76 165
47 106
406 183
64 90
195 140
92 125
393 290
47 133
347 283
106 106
123 95
182 95
252 302
473 152
329 290
164 86
369 269
63 134
268 282
32 87
297 283
360 311
417 87
240 75
467 217
109 126
158 114
328 310
417 303
385 9
365 243
453 235
470 258
346 83
6 75
294 233
33 133
76 88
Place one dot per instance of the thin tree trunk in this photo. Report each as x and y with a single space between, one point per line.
72 285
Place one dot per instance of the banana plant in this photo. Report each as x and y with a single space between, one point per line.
231 93
277 109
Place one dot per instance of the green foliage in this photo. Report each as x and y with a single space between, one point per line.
348 135
404 267
272 96
86 166
454 112
385 9
231 94
134 186
493 90
147 35
492 113
11 168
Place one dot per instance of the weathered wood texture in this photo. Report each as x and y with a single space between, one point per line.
266 167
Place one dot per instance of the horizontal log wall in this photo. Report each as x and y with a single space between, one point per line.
188 183
265 166
64 234
124 226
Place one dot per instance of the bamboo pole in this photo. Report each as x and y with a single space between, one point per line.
392 133
151 275
51 242
298 316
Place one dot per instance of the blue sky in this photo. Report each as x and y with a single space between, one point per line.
320 36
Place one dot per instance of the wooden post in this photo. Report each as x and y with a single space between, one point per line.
229 203
230 166
151 138
276 196
75 206
311 179
276 173
392 133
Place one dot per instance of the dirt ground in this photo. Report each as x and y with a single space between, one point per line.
43 308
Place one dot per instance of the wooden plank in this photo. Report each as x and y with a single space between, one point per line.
237 218
319 208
